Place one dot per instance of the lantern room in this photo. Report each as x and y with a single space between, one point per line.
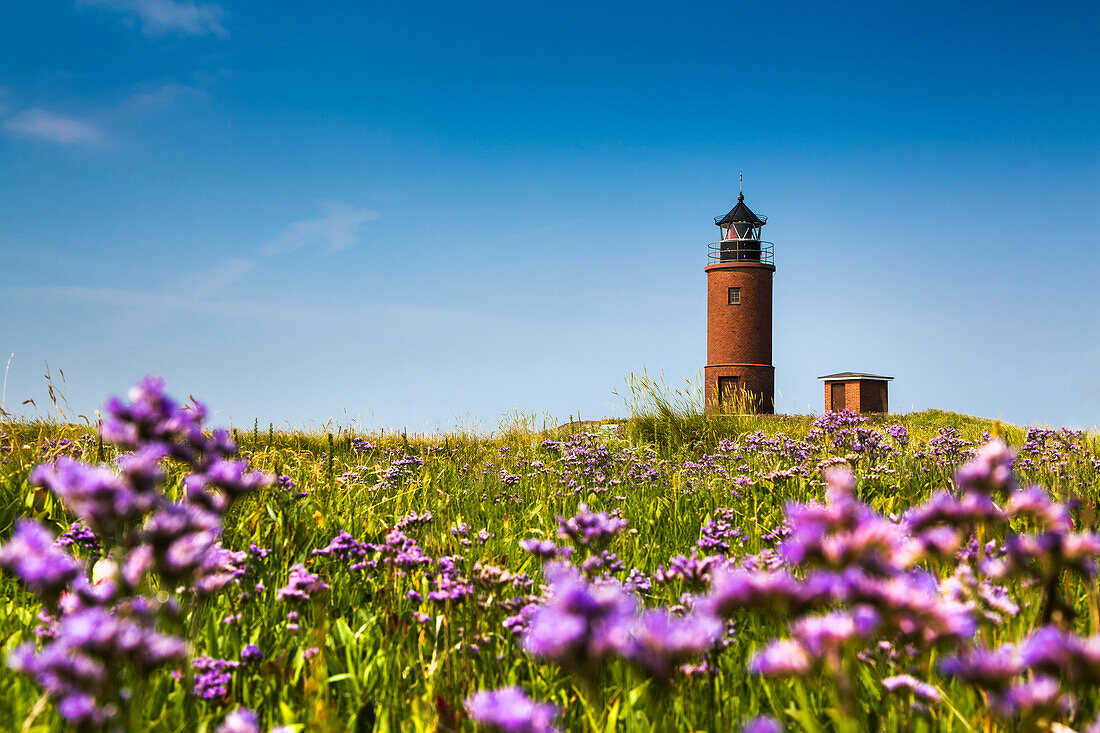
741 241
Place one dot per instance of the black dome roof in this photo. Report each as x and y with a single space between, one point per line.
740 214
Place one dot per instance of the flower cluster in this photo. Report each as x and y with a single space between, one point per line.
509 710
580 624
588 528
102 630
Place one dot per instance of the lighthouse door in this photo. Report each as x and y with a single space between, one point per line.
727 391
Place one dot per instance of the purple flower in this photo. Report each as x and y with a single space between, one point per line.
101 498
637 581
898 433
449 586
990 472
910 605
1046 555
763 724
1063 655
413 519
73 667
101 634
990 669
152 417
973 508
831 421
142 469
768 591
694 571
232 477
67 676
509 710
81 536
782 658
251 654
821 635
219 568
81 709
1039 697
907 683
300 585
212 677
344 547
241 720
844 532
517 624
1037 504
545 549
260 553
361 445
32 556
718 535
659 642
575 627
180 537
590 528
402 551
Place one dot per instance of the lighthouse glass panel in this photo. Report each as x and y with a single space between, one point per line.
734 296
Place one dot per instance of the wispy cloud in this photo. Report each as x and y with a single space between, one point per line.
156 98
337 230
41 124
203 291
206 283
159 17
277 311
66 129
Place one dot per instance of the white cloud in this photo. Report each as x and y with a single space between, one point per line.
159 17
49 126
337 230
41 124
147 303
209 282
153 99
200 291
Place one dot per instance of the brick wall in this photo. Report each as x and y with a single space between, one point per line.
742 333
739 337
757 380
872 395
860 395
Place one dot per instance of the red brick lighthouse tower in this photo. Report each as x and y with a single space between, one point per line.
739 373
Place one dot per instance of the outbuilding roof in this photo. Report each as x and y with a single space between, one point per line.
839 376
740 214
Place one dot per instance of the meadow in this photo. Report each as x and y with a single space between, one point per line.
671 571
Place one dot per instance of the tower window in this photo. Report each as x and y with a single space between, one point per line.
734 296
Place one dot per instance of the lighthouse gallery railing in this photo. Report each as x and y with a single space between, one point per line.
740 250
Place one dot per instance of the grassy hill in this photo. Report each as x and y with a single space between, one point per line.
411 624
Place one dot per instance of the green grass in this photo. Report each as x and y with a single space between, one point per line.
377 669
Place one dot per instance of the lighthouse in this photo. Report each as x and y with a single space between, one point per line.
739 374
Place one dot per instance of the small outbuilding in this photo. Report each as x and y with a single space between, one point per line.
856 391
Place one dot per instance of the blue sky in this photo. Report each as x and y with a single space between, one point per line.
433 214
